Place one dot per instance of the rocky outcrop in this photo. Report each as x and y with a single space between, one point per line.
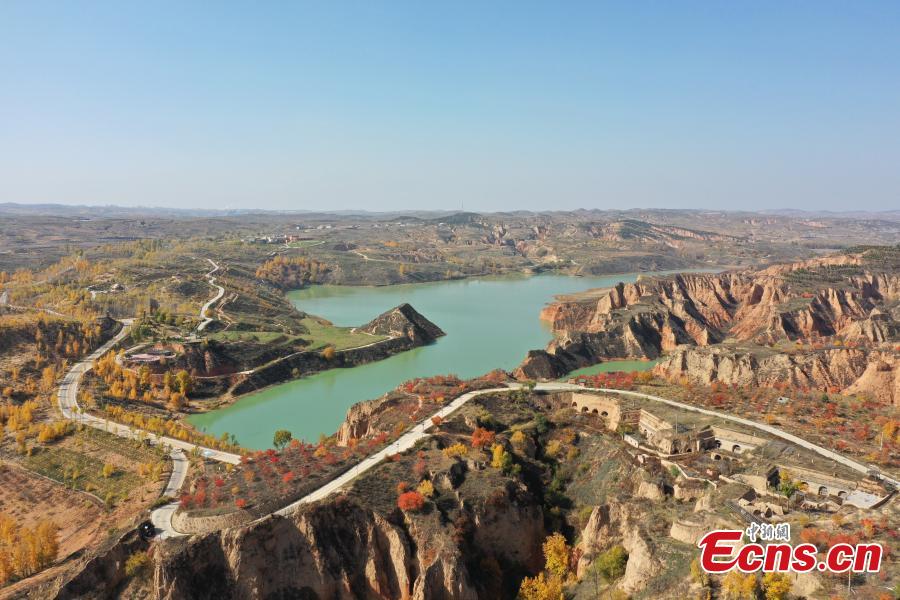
643 334
360 416
688 531
631 230
880 380
612 524
598 534
642 565
101 575
404 321
748 306
651 490
332 551
848 370
344 551
724 327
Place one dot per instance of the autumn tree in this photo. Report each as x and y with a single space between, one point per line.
548 585
541 587
293 272
426 488
137 564
184 382
168 381
556 555
282 438
739 586
176 401
699 576
456 450
777 586
412 501
518 439
501 459
482 437
24 551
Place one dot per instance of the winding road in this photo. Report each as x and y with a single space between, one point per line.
162 517
421 429
68 406
205 320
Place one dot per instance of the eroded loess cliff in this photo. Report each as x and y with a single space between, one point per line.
850 371
478 530
833 323
343 549
337 550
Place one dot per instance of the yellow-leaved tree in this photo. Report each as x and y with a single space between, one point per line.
549 584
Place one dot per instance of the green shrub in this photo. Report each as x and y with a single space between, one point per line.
137 564
611 564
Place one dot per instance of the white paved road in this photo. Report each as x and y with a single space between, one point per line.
830 454
403 443
421 429
68 405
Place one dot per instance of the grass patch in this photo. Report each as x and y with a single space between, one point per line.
319 336
82 472
322 335
131 449
264 337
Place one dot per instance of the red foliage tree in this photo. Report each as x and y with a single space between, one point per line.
411 501
481 437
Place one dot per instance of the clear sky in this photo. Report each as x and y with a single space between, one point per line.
491 105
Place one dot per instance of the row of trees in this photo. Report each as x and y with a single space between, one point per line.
56 337
170 428
619 380
747 586
293 272
16 417
141 386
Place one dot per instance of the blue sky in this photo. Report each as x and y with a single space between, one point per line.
487 105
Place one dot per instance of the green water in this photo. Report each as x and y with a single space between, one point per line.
490 323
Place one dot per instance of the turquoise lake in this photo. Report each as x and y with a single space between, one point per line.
490 323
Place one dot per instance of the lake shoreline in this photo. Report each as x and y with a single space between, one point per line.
491 322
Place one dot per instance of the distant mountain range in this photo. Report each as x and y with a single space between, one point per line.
448 216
